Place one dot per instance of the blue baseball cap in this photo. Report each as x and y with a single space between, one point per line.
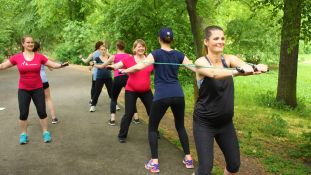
166 32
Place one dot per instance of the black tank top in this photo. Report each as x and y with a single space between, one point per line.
214 106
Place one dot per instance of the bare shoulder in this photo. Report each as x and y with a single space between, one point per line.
200 61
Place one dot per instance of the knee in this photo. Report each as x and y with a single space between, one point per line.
23 117
42 115
233 167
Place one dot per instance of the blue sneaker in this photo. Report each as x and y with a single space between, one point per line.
46 137
23 138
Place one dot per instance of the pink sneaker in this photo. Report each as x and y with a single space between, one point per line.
188 163
152 167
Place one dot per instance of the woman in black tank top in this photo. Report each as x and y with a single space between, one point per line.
214 109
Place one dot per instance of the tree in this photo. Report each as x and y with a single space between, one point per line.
289 52
295 26
196 26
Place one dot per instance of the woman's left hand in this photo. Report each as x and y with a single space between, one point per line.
262 68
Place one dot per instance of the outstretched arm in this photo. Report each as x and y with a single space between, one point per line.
88 59
139 66
118 65
257 69
188 64
5 65
109 61
55 65
204 69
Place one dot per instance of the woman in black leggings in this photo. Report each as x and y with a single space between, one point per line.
212 116
119 80
30 86
137 86
103 77
168 93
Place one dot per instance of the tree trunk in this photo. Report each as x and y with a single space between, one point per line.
196 26
286 91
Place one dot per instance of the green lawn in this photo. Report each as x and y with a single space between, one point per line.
278 136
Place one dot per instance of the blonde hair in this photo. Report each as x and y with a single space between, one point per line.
138 41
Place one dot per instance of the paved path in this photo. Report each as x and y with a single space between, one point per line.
83 142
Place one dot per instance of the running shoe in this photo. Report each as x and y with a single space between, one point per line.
55 120
152 167
136 121
117 107
122 140
111 122
46 137
92 109
188 163
23 138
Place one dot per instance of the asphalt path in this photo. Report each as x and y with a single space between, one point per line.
83 142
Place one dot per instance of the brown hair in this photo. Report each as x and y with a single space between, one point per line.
208 32
98 44
138 41
120 45
36 46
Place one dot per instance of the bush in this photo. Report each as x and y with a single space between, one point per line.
77 38
276 126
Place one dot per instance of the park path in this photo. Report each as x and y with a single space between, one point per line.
83 142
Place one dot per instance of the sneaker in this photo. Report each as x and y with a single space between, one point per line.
136 121
92 109
117 107
152 167
122 140
46 137
23 138
55 120
188 163
111 122
90 102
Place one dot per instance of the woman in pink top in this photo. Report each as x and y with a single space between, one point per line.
137 86
30 86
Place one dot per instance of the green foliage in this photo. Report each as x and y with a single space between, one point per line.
143 19
253 40
304 48
305 147
275 126
76 36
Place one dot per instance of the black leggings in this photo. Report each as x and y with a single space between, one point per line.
118 83
38 98
98 88
93 87
130 106
158 109
225 137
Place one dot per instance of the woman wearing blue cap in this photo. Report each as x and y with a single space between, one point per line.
168 93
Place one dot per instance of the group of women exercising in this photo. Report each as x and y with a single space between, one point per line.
214 108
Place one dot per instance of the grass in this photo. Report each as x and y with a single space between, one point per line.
278 136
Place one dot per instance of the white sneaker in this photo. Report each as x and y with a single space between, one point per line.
92 109
117 107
